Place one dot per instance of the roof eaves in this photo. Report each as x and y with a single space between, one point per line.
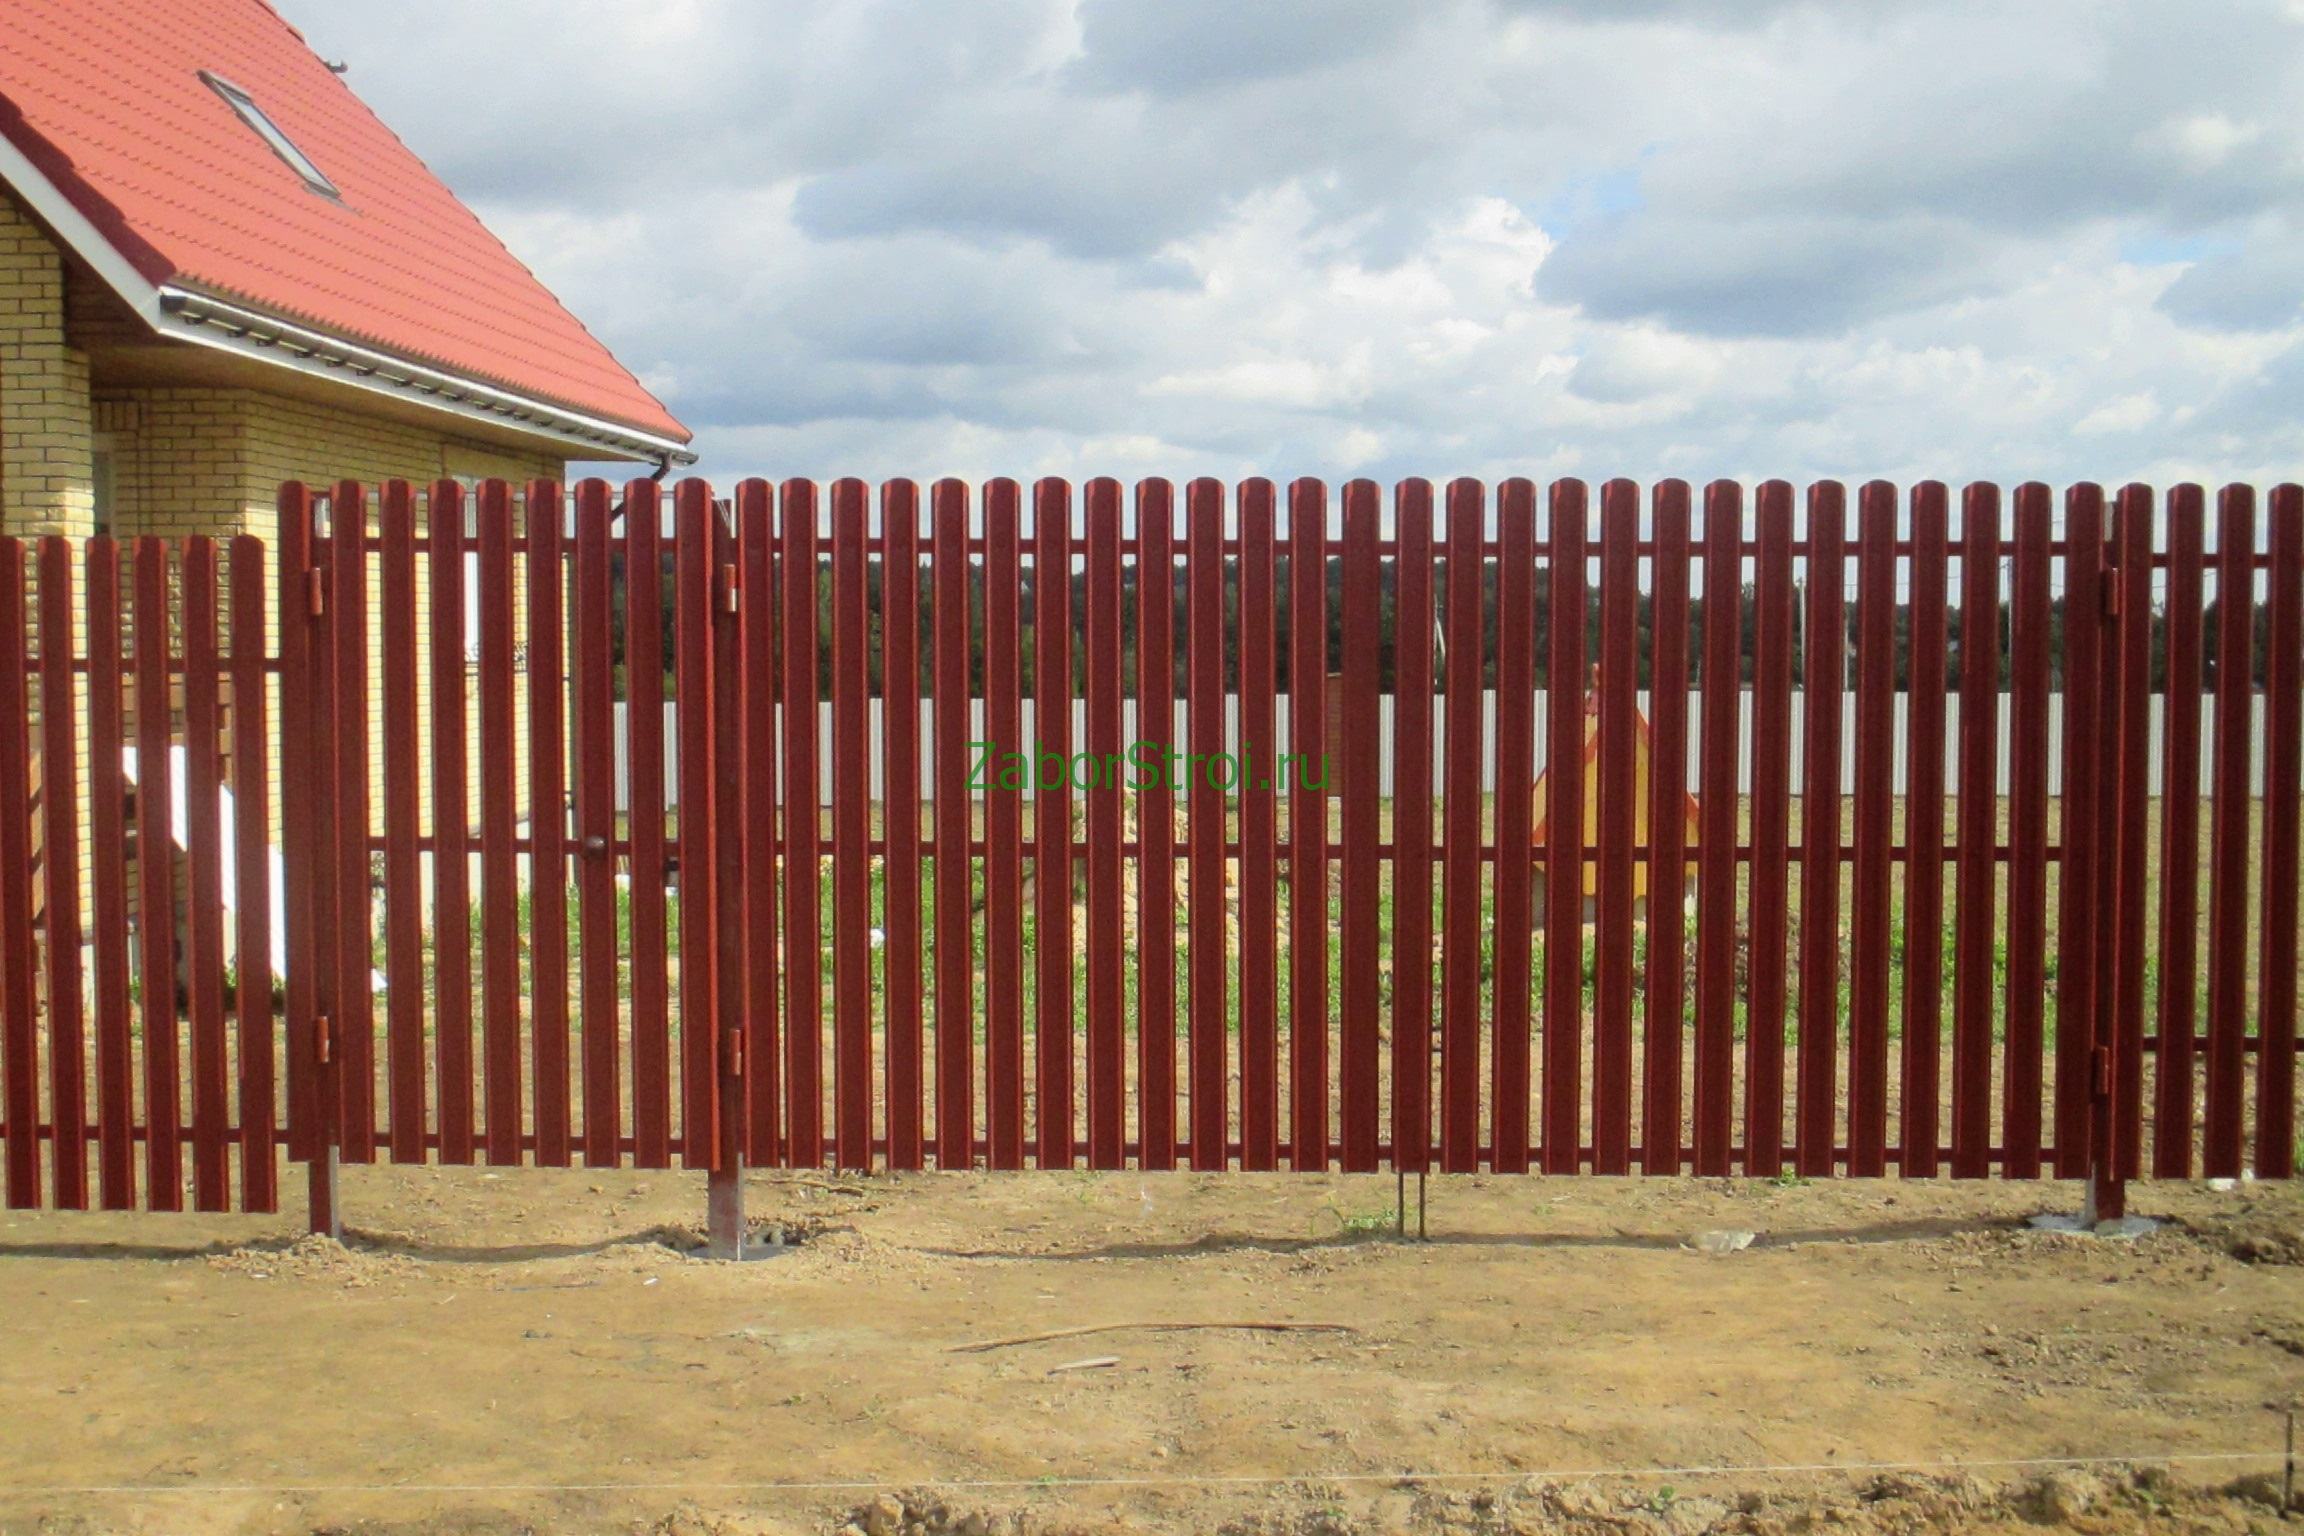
208 321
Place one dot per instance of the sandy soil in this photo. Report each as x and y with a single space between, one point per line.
536 1352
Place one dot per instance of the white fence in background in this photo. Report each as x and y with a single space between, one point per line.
1128 734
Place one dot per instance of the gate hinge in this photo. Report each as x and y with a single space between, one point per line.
731 594
2100 1071
315 594
735 1053
2111 599
323 1039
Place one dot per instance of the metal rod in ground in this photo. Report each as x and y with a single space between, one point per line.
724 1210
1421 1235
320 1191
1400 1202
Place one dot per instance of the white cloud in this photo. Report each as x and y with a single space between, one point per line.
2129 413
1481 236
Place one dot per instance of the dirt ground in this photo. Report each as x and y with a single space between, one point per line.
535 1351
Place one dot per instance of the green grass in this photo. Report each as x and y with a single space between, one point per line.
1389 897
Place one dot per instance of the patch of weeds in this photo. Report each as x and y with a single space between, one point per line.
1370 1222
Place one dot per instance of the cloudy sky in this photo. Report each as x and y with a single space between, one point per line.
2045 239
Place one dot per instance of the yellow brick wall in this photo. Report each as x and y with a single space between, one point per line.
44 413
45 425
212 461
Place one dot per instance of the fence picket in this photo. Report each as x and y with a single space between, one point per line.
108 866
1663 1019
695 633
451 825
852 1012
1616 763
61 895
1156 831
353 919
403 863
1923 1018
252 864
545 523
1716 856
1564 849
1769 891
955 949
2180 839
803 832
900 687
649 871
2229 838
1414 631
2030 651
593 669
1977 879
1823 678
1359 1065
1259 893
1107 1038
499 824
2283 796
2134 682
1205 829
210 1074
1053 1028
1307 825
1004 828
1515 853
155 879
19 1017
761 695
1460 838
2080 872
1868 942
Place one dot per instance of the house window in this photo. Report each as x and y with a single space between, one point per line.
267 130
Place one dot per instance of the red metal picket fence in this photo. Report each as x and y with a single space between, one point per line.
711 817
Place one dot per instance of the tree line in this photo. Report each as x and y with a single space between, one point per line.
1806 664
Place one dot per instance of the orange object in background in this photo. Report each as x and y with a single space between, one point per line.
1642 775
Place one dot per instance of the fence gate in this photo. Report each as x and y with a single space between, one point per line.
1445 829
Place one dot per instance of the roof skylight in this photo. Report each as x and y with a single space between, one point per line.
267 130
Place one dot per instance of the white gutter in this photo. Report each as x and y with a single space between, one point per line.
208 322
230 327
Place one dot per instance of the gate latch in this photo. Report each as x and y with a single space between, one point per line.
323 1038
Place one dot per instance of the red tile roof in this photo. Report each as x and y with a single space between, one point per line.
106 97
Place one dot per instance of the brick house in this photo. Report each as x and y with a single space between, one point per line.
220 270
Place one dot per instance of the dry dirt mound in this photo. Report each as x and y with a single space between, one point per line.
1892 1505
314 1258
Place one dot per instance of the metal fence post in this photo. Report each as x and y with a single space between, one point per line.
2124 723
711 860
307 740
728 954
